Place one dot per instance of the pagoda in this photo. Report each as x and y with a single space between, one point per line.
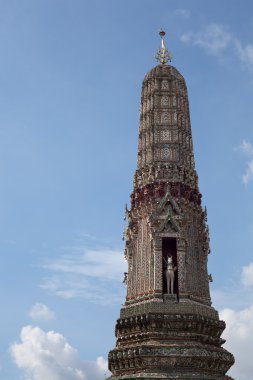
167 327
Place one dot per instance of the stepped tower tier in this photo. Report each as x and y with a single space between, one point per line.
167 327
165 140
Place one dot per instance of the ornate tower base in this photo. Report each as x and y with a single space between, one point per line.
169 340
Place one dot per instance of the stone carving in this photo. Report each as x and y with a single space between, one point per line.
164 85
164 101
170 275
165 117
172 357
125 278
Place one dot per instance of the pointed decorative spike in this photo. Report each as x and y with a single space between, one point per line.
163 55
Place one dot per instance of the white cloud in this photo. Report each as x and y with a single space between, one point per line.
47 355
106 264
93 274
238 292
245 53
233 303
247 149
238 333
39 311
247 275
214 39
248 175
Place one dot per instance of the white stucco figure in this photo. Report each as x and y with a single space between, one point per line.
170 275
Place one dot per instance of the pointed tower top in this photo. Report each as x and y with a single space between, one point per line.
163 55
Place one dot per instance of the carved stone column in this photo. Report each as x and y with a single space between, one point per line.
181 253
158 267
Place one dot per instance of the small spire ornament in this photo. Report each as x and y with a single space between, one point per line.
163 55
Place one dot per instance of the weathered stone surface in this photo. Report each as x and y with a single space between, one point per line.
160 335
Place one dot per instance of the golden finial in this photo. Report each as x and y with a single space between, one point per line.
163 55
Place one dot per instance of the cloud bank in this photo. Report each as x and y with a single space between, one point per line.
95 275
239 322
239 332
47 355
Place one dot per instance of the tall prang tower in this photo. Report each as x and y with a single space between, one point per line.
167 327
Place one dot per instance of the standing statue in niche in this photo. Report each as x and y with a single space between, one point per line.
170 275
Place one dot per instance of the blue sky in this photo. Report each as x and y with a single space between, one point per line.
70 74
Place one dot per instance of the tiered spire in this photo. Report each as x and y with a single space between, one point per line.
167 328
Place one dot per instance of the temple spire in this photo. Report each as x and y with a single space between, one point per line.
167 327
163 55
